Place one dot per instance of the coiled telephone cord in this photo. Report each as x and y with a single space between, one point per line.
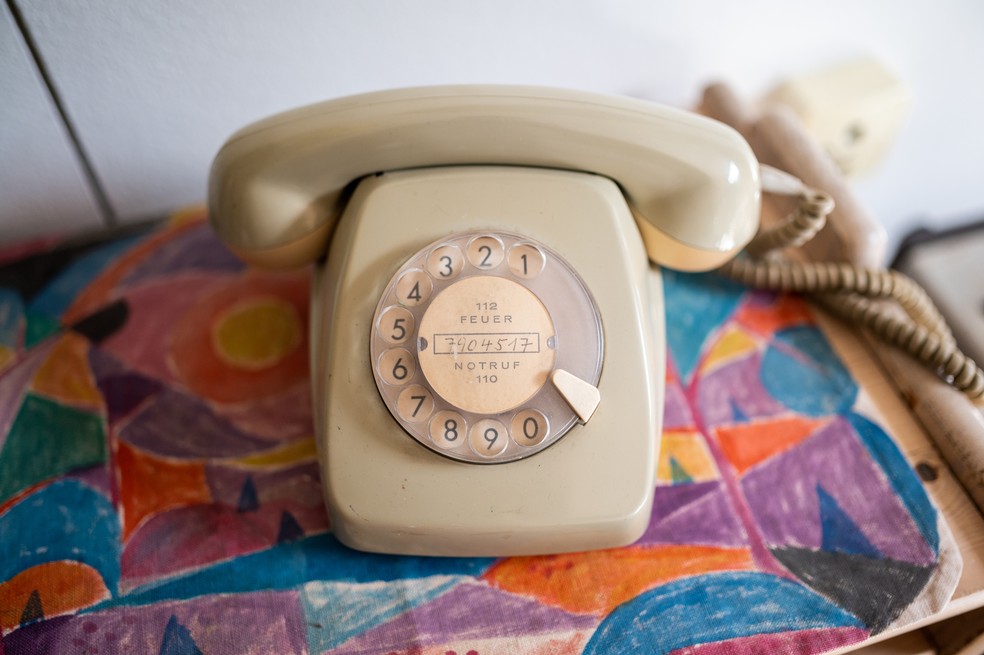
857 294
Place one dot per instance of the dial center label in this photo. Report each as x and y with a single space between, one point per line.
486 344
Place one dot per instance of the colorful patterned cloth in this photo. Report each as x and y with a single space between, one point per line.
159 489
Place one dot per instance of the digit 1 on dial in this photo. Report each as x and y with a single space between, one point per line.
525 260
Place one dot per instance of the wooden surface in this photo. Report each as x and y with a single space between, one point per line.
911 643
900 391
963 518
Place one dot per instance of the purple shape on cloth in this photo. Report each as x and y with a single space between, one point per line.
277 417
782 494
300 483
177 425
36 639
124 393
197 249
670 499
104 365
676 412
98 477
259 622
694 514
736 385
184 539
471 610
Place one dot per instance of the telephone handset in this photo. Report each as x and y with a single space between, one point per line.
487 326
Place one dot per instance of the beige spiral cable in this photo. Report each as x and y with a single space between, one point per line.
860 295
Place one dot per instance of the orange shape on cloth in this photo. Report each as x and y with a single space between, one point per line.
748 444
62 587
150 485
65 375
690 453
786 311
234 365
598 582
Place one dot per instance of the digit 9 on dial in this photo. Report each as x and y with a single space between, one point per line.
487 347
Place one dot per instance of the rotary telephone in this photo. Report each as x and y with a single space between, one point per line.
487 321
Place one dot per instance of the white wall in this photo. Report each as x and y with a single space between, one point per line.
153 88
42 187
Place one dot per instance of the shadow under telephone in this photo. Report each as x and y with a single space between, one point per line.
487 325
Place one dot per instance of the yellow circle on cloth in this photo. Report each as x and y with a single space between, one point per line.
257 333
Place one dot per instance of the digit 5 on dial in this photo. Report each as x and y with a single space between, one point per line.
487 326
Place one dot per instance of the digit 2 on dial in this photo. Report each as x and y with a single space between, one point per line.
487 347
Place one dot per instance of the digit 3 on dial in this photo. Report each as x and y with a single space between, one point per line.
487 347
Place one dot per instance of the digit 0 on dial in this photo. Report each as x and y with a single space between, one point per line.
470 338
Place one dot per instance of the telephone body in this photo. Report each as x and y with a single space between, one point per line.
487 323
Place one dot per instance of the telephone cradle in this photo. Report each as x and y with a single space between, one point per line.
487 316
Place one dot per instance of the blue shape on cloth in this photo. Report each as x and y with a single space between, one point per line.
714 607
697 305
290 529
11 317
177 640
802 371
737 416
248 500
66 520
289 565
839 534
38 328
900 475
56 297
337 611
678 473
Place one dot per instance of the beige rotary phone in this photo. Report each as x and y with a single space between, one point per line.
488 345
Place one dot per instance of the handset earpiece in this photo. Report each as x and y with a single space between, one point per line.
276 187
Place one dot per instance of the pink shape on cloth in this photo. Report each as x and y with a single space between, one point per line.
801 642
189 538
155 308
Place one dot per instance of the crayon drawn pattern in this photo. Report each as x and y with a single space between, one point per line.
159 491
